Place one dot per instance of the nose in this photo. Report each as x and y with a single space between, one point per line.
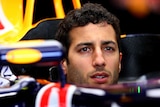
98 58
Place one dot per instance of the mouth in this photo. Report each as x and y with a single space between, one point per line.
100 77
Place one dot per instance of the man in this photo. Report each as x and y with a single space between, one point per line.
91 37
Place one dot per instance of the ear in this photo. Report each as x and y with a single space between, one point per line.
64 66
120 59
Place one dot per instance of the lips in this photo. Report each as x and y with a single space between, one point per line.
100 77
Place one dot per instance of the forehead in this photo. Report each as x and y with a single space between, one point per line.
93 33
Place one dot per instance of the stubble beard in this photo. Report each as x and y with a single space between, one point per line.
75 77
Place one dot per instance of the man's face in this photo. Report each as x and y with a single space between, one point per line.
93 56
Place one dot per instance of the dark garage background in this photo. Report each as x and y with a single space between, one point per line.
129 23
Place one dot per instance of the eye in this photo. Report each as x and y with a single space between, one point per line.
85 49
108 48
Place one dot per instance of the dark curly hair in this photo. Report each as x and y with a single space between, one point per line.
88 13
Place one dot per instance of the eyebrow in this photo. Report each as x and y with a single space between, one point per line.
108 42
90 43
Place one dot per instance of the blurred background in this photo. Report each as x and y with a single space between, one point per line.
136 16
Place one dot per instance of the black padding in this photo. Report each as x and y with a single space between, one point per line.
141 55
44 30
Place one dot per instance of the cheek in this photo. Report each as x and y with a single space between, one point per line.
80 64
78 60
113 62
